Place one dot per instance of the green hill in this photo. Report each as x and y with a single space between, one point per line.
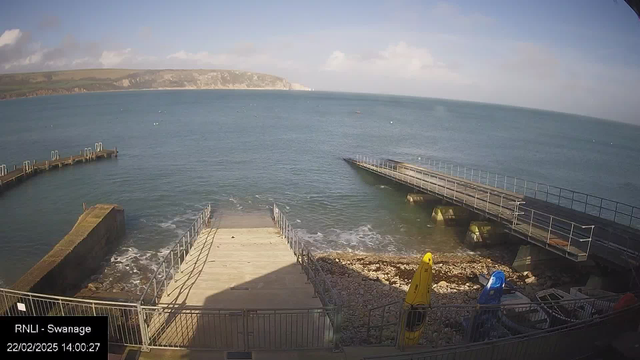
74 81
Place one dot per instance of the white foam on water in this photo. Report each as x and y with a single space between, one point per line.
361 239
236 203
171 224
383 187
137 264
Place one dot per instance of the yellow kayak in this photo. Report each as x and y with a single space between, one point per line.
419 294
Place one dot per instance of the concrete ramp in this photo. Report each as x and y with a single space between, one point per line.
241 262
240 287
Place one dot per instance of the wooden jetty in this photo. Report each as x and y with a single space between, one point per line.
10 178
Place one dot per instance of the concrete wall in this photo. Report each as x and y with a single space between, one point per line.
78 255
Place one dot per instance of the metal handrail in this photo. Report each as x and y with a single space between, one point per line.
527 187
483 201
321 286
306 258
173 262
390 318
459 349
64 298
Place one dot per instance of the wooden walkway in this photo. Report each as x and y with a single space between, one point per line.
20 173
240 287
556 234
573 234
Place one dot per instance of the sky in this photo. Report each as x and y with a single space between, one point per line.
576 56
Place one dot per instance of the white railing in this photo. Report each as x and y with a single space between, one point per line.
167 326
616 211
555 232
125 325
171 263
312 269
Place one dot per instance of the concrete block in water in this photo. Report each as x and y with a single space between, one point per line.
449 215
78 255
420 198
484 233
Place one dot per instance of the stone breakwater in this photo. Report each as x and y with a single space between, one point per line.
364 281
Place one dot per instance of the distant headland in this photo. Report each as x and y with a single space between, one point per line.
76 81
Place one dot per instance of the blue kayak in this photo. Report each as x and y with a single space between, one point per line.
492 292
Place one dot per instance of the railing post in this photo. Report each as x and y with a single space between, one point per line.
531 223
500 211
573 194
172 266
570 235
245 328
455 189
179 255
143 329
155 291
550 223
590 238
164 275
400 336
337 328
600 208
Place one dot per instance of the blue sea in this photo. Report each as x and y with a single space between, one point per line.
243 150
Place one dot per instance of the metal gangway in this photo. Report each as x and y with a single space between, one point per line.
524 213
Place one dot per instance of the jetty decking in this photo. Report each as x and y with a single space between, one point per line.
240 287
568 232
10 178
241 262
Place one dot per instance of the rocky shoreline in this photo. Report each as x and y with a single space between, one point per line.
365 281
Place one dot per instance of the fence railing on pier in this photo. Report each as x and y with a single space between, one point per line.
479 332
8 178
148 324
316 276
448 325
125 321
615 211
167 326
170 264
562 236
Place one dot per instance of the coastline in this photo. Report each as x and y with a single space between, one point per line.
127 90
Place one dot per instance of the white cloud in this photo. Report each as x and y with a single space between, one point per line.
396 61
10 37
34 58
113 58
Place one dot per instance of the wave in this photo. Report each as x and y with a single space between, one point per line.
362 239
130 269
